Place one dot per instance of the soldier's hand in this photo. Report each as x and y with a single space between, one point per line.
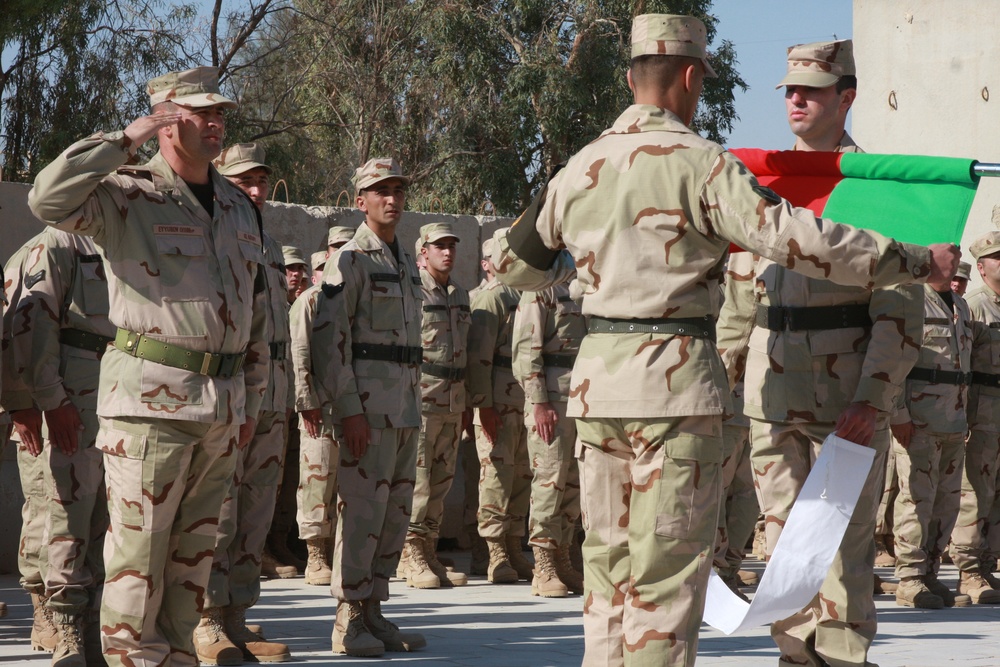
246 432
145 128
857 423
944 264
490 420
546 419
357 434
313 420
64 428
28 424
903 433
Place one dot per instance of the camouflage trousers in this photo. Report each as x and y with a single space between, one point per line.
504 476
245 516
838 626
555 482
166 482
31 547
930 485
890 489
437 455
975 540
469 456
739 509
286 504
77 521
318 460
650 491
374 496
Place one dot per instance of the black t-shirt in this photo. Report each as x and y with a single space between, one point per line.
394 247
948 299
205 194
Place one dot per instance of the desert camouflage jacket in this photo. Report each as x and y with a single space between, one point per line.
14 395
984 401
276 395
489 374
445 339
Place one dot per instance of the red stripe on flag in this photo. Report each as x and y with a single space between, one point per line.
804 178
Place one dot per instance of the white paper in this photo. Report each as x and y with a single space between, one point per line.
807 546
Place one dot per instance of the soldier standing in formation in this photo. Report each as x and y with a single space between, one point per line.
649 387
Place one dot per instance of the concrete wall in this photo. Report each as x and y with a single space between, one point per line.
928 84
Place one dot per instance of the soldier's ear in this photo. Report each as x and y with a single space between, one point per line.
847 98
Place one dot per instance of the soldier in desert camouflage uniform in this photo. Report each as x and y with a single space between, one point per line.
548 328
182 249
960 281
296 271
5 423
649 387
366 357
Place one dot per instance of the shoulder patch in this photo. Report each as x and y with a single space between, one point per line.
330 291
34 279
767 194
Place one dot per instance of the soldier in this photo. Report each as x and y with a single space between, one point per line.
234 585
444 337
318 264
296 271
649 387
181 387
960 282
548 328
337 238
501 437
366 357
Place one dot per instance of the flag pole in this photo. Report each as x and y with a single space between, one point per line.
986 169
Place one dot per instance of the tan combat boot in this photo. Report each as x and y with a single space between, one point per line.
386 632
69 650
882 556
350 635
515 554
499 570
913 592
278 544
211 644
882 587
988 575
447 577
978 588
943 592
418 572
43 627
568 574
404 559
480 554
748 577
254 647
545 582
318 572
270 568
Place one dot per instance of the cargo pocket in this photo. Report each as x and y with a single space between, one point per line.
689 488
124 454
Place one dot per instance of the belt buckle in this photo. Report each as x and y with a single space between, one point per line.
206 362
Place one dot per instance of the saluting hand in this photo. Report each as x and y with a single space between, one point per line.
144 128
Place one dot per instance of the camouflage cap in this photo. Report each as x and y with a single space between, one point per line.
198 87
438 230
489 245
292 256
318 260
670 35
241 158
987 244
339 235
964 271
819 64
375 171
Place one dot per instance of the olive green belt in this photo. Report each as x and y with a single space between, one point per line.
400 354
936 376
84 340
204 363
699 327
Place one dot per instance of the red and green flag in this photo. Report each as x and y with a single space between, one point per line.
912 198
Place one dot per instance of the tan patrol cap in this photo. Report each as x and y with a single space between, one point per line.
437 230
241 158
318 260
987 244
375 171
488 247
339 235
670 35
293 256
819 64
964 271
198 87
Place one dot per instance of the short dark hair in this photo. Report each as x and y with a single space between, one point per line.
658 69
847 82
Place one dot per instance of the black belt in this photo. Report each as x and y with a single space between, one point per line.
779 318
502 361
279 351
986 379
443 372
699 327
400 354
85 340
205 363
559 360
939 377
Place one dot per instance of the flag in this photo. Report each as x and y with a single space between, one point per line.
912 198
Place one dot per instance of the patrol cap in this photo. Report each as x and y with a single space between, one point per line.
437 230
241 158
670 35
318 260
819 64
375 171
964 271
339 235
488 247
198 87
292 256
987 244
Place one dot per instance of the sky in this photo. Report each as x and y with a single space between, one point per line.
762 30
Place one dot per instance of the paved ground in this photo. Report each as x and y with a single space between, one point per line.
503 626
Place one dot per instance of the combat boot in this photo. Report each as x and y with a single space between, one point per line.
568 574
350 635
404 560
480 554
43 627
913 592
254 647
545 582
447 576
270 568
211 644
520 564
977 587
990 579
418 572
499 570
882 556
92 650
386 632
733 584
278 543
69 651
943 592
882 587
318 572
748 577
